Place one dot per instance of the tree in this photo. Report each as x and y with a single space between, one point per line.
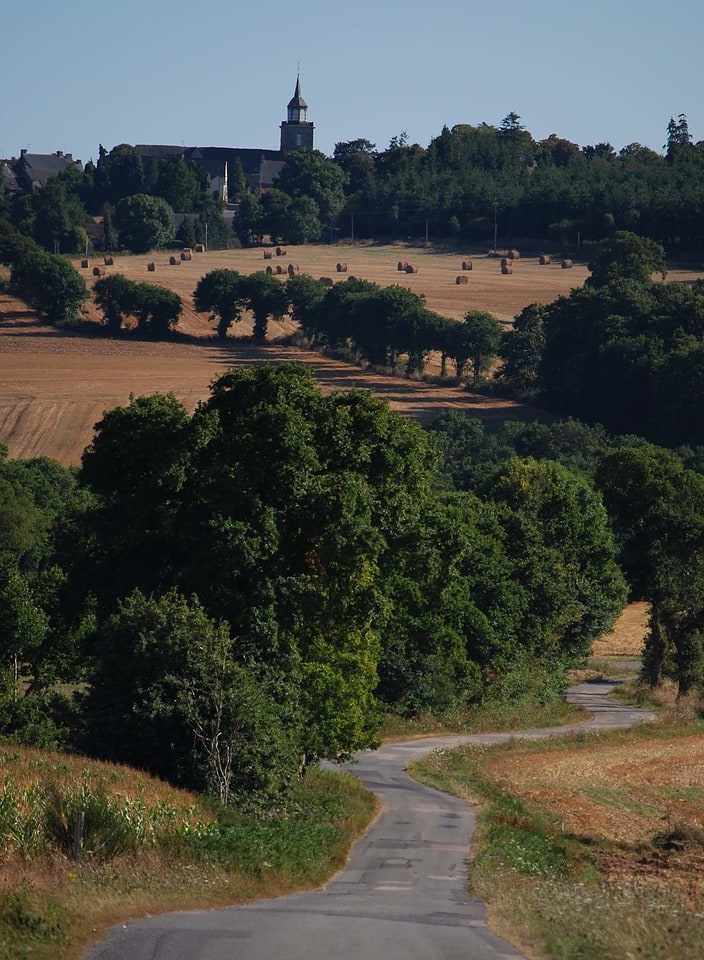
249 220
626 256
221 294
157 309
309 173
476 338
145 223
115 296
305 295
558 532
52 285
266 297
118 174
168 695
656 509
521 349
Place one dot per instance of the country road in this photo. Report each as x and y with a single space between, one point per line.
404 889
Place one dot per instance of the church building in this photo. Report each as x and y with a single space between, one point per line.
261 166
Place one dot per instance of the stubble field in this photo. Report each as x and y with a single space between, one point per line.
55 385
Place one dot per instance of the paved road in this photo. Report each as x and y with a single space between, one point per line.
403 892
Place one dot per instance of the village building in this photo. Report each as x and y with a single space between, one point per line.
261 166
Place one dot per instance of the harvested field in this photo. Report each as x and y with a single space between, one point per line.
55 385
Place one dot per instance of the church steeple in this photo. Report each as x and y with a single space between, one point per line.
296 130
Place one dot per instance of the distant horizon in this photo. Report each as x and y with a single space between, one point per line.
89 72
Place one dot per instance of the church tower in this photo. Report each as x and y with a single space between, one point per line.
296 130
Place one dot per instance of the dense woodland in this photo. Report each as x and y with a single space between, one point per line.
231 595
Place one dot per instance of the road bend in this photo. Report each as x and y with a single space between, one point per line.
402 893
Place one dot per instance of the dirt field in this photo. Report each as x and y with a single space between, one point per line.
54 386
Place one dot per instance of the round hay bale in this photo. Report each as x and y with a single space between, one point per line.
401 266
151 267
185 254
505 261
466 264
326 281
108 261
566 264
200 248
267 254
84 264
351 277
292 269
411 269
280 252
544 260
270 270
173 261
98 271
342 268
461 279
506 268
514 255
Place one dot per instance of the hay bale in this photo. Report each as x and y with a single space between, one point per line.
326 281
544 260
151 267
98 271
279 269
514 255
401 266
566 264
173 261
268 254
84 264
107 261
505 261
411 269
293 269
461 279
200 248
270 270
342 268
506 268
351 277
466 264
280 252
186 255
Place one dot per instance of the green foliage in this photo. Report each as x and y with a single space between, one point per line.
266 297
221 294
144 223
656 510
168 696
626 256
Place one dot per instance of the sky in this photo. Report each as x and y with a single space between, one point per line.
80 73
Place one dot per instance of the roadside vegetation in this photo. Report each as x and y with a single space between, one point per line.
142 847
590 846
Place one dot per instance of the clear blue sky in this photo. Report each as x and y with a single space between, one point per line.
78 73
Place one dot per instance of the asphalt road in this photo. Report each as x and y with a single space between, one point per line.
403 892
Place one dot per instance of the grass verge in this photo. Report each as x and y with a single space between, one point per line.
148 848
588 846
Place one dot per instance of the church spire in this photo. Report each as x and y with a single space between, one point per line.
296 130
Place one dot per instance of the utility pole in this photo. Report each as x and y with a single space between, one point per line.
496 205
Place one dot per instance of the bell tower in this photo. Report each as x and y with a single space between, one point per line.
296 130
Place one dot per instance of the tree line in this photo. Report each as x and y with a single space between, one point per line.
471 185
